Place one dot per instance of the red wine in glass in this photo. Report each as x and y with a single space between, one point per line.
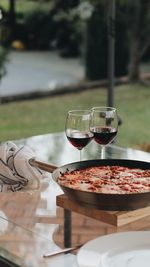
80 140
78 128
103 135
104 126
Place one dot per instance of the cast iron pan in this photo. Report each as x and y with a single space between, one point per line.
100 200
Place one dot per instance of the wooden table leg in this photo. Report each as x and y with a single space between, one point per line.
67 228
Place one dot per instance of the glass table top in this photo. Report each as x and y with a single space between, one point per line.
56 149
40 205
28 219
24 248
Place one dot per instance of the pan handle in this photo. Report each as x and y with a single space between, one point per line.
42 165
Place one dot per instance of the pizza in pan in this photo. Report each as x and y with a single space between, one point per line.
108 180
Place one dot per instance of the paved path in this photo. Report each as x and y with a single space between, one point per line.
38 71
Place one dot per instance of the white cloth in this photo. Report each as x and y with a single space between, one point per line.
15 171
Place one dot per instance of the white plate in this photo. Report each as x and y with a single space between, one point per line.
128 249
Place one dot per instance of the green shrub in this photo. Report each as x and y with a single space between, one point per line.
96 55
38 29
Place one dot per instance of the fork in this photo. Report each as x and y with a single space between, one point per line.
65 250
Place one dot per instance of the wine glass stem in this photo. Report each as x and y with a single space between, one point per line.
80 155
102 152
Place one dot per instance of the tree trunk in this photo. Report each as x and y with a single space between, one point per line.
134 62
12 16
134 65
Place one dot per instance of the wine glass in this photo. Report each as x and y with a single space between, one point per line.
104 126
77 128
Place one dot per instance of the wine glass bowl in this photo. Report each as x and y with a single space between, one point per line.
77 128
104 125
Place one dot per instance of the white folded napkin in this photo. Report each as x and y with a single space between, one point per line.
15 171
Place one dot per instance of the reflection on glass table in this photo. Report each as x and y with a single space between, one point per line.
24 248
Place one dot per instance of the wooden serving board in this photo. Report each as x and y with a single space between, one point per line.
115 218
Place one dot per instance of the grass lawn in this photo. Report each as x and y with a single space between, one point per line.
25 6
47 115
